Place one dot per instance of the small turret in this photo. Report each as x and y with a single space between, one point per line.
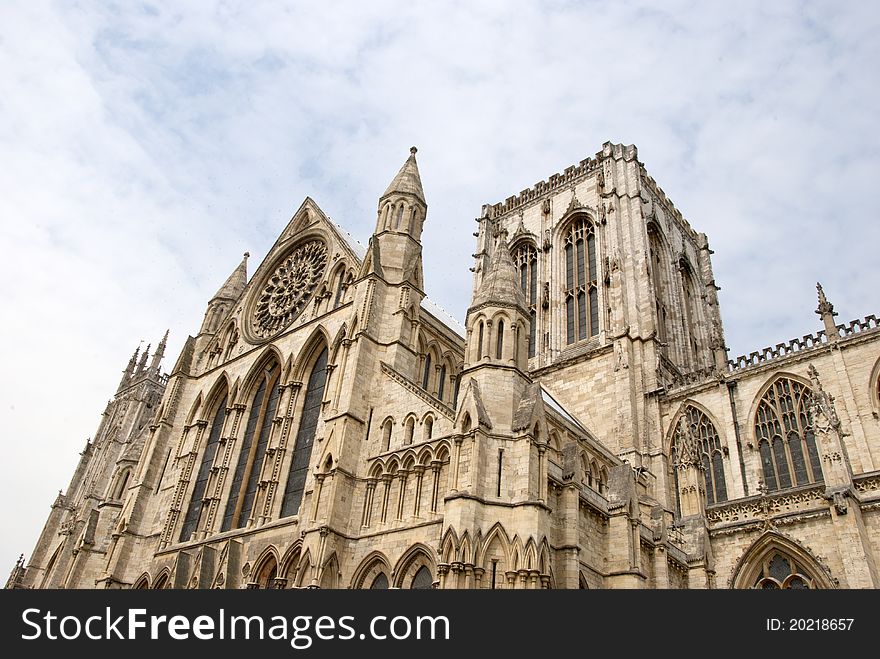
396 250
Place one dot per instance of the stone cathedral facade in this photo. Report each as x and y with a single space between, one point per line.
328 426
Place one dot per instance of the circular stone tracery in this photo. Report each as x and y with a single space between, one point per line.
288 288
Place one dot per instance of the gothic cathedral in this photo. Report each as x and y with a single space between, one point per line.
330 427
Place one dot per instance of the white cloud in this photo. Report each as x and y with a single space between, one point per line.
145 147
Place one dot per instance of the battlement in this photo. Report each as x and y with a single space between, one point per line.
570 175
807 342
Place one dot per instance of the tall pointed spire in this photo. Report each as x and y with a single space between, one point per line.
157 356
233 287
407 180
129 370
143 362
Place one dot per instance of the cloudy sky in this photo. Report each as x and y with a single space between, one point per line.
144 147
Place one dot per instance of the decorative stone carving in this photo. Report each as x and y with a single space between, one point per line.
687 452
286 291
822 411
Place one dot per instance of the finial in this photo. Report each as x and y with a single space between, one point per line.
824 305
247 255
827 313
413 150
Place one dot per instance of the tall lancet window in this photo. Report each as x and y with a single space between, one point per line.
658 274
581 281
340 288
690 310
710 454
786 442
305 437
526 258
194 511
426 376
240 505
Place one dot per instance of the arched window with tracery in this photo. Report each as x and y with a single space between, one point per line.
710 452
525 256
194 510
581 281
305 436
786 442
264 406
780 571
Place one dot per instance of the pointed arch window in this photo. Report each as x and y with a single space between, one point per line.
786 442
710 452
305 437
442 384
422 580
239 506
426 376
690 310
480 343
410 431
581 281
386 434
340 288
499 340
658 274
525 256
194 510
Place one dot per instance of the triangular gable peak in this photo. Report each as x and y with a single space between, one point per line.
471 402
530 409
308 222
308 216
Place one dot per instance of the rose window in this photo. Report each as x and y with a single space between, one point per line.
288 289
